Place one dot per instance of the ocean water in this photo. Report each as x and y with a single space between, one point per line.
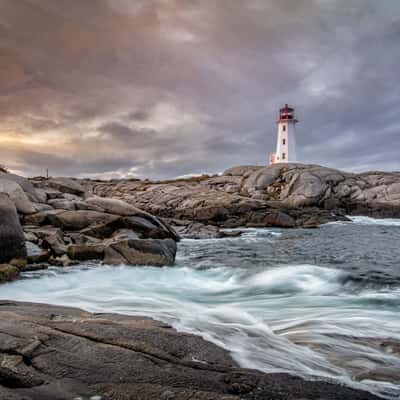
313 302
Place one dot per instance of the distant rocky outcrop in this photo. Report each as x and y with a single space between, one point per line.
59 353
57 222
298 185
281 195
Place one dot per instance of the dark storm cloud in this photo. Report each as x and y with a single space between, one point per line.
162 88
139 115
123 132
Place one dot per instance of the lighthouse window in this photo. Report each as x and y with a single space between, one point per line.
284 128
283 141
283 156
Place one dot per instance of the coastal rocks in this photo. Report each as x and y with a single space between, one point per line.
132 238
135 219
84 252
64 185
147 226
51 352
77 220
17 195
195 230
154 252
64 224
40 217
8 273
281 195
62 204
299 185
114 206
194 208
12 239
25 185
258 180
36 254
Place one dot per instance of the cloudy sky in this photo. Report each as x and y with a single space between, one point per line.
164 88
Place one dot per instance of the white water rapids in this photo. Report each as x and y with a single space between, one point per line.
296 317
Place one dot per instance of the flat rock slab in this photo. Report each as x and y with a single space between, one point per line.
59 353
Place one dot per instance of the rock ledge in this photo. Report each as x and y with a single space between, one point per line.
59 353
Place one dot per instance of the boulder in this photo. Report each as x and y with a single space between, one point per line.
52 194
41 195
80 238
80 219
35 267
39 207
114 206
17 195
54 242
141 222
12 239
155 252
62 204
113 257
19 262
8 273
124 234
44 231
103 230
196 230
25 184
41 217
63 261
84 252
84 205
30 237
66 185
121 249
36 254
149 227
71 197
279 219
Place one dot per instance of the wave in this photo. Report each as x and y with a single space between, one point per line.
297 317
249 235
374 221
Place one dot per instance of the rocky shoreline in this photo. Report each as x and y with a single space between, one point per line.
59 353
138 222
50 352
57 222
282 195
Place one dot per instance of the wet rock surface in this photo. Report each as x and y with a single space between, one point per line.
58 353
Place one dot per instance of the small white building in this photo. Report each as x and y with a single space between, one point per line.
286 141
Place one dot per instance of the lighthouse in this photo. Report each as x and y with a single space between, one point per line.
286 144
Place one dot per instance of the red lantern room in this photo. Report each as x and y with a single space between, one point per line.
287 114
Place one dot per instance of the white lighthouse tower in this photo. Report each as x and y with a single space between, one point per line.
286 142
